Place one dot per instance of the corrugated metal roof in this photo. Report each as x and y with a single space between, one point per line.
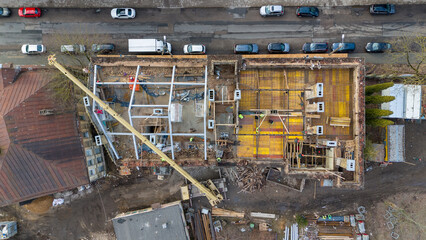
396 143
407 101
412 102
44 154
397 105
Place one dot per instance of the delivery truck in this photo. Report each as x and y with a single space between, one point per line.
149 46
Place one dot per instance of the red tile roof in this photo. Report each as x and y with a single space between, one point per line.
40 154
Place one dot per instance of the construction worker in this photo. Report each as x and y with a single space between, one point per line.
240 116
191 139
219 159
257 130
261 115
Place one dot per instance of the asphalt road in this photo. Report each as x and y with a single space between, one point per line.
218 28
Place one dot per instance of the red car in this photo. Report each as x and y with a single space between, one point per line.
29 12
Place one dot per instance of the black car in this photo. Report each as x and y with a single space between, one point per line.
103 48
343 47
382 9
315 47
246 48
4 12
307 12
377 47
278 48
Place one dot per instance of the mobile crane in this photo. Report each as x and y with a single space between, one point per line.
211 192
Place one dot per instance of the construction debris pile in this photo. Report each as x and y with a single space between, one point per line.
250 178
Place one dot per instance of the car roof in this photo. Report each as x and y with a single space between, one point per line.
317 43
30 10
197 47
345 45
32 48
243 47
276 45
276 8
306 9
68 47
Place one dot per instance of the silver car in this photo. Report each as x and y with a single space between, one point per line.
75 48
271 10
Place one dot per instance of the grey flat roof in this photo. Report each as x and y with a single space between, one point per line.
166 223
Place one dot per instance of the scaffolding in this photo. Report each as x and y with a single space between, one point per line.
134 84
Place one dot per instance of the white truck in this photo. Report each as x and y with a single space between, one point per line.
149 46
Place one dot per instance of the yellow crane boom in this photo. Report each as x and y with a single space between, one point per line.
211 193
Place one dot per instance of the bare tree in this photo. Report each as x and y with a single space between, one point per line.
412 51
81 35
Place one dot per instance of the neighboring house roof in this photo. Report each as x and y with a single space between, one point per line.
167 222
396 143
412 102
407 103
40 155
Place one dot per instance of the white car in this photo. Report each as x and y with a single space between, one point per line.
123 13
194 49
31 49
271 10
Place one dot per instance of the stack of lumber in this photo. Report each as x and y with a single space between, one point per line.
250 178
340 121
220 212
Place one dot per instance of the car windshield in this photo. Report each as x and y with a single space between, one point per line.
315 45
36 11
27 48
376 46
189 48
268 10
121 11
39 48
1 11
249 48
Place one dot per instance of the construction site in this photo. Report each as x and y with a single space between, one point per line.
299 113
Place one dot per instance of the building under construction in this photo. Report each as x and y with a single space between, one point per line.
304 113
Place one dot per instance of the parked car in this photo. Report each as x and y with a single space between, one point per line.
272 10
73 49
32 49
246 48
103 48
123 13
315 47
377 47
343 47
307 12
29 12
382 9
278 48
4 12
194 49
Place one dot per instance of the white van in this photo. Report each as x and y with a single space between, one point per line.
149 46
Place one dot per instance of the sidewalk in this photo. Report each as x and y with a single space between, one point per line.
193 3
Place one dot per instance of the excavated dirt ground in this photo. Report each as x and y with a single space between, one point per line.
89 216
